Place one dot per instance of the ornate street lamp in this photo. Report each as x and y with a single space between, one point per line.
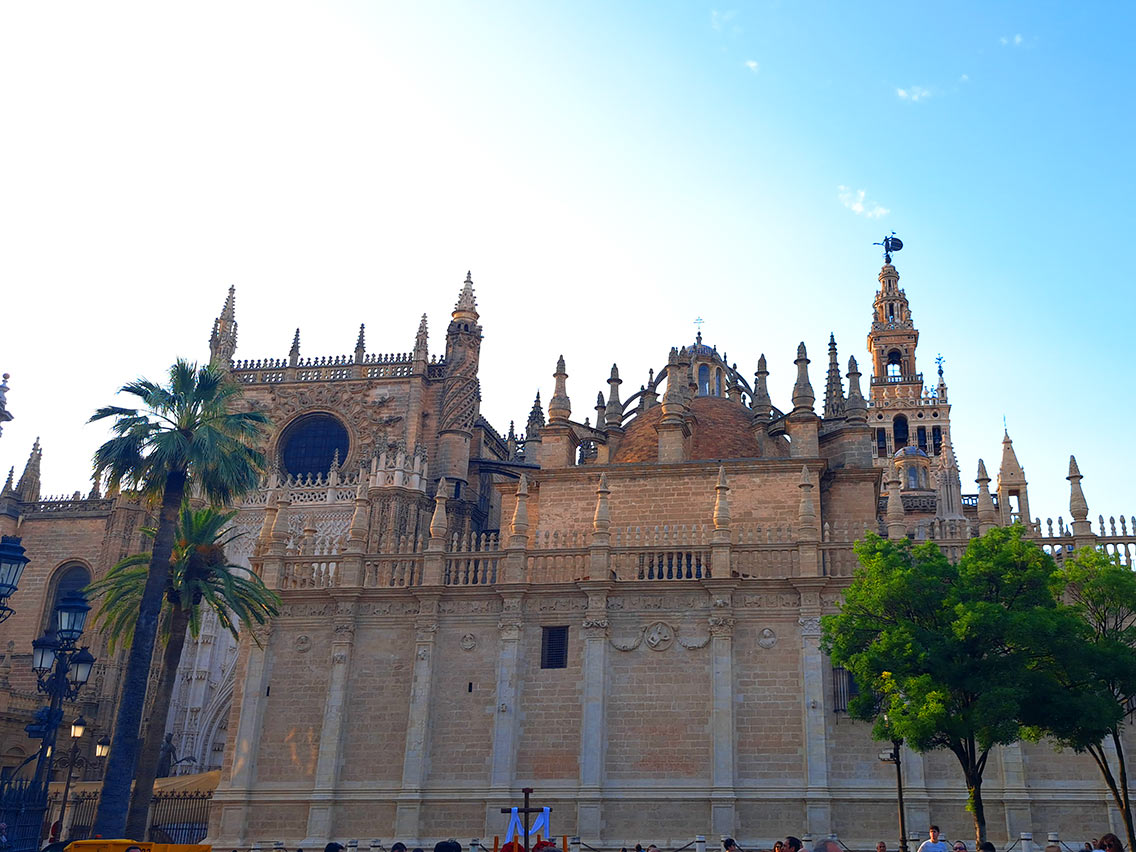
78 728
102 747
61 671
12 562
893 756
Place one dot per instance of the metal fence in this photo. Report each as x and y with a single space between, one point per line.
177 817
21 810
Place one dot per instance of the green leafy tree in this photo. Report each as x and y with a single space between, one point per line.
1099 675
947 655
200 580
184 434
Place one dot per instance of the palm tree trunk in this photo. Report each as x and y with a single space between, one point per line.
110 820
151 751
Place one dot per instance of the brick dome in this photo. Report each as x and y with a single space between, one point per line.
721 430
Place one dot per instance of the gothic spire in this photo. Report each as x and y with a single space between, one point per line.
856 408
762 404
834 387
27 490
8 487
613 417
466 308
361 341
560 407
536 419
223 341
803 396
294 352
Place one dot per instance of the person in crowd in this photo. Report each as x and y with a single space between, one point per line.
731 845
881 846
1111 843
778 846
331 847
933 843
986 846
398 847
827 846
791 844
960 846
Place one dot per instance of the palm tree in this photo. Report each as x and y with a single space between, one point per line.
201 580
185 434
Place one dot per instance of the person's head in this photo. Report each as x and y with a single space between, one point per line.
777 846
729 844
881 847
398 847
986 846
960 846
1111 843
133 849
331 847
1052 847
791 844
826 846
652 848
933 833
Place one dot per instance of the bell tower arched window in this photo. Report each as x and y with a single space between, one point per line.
895 364
704 380
899 431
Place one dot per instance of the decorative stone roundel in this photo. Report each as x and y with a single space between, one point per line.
659 636
468 642
767 638
303 643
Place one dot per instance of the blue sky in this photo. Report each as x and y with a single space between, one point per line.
608 172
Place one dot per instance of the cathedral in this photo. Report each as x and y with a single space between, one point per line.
620 610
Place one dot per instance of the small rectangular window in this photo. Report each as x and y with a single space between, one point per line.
554 647
937 439
881 443
922 434
844 689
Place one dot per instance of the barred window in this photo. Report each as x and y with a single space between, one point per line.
554 647
844 689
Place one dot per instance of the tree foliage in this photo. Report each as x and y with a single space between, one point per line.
953 656
185 436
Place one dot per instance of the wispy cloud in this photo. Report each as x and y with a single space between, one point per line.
719 19
857 201
752 65
1015 40
965 78
913 93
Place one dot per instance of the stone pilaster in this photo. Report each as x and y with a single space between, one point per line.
721 622
322 802
818 802
409 803
1015 794
506 719
232 800
593 724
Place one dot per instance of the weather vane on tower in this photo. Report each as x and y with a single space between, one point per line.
890 244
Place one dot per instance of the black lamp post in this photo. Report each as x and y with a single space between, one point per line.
78 728
893 756
12 562
61 671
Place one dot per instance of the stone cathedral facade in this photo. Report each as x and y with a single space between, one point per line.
618 607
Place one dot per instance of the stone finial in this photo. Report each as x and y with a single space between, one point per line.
5 414
360 341
466 308
834 388
560 407
601 409
808 530
294 352
439 524
520 525
511 441
896 526
421 349
536 420
280 534
223 340
601 521
986 513
721 501
1011 470
27 489
8 487
762 404
613 416
803 396
856 407
1078 506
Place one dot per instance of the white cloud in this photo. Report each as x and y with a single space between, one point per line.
965 78
751 65
913 93
719 19
1015 40
856 201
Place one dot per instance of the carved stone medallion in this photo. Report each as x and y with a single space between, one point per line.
659 636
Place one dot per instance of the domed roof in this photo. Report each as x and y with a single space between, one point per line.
721 431
909 451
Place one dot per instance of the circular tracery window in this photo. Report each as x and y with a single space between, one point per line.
310 444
